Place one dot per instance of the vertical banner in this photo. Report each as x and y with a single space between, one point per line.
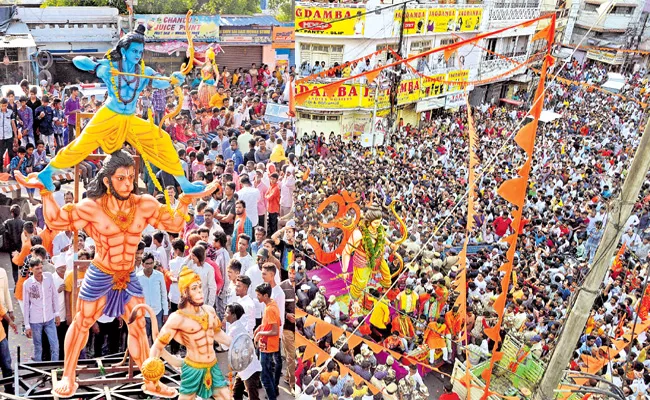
469 19
414 22
330 21
441 20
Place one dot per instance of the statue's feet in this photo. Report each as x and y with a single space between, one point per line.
66 387
158 390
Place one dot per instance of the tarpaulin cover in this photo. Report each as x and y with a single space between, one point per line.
7 13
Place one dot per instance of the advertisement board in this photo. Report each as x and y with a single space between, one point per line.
414 21
330 21
245 34
469 19
283 37
441 20
434 85
347 96
455 100
457 76
163 27
409 91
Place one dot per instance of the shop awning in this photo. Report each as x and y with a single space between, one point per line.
17 36
511 101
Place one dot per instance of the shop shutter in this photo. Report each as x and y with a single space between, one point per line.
240 57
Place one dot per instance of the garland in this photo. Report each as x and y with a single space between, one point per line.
373 252
115 88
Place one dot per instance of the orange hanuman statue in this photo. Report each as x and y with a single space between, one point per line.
115 218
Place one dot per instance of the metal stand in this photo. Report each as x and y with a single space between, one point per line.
35 380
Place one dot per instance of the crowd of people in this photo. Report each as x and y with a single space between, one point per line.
239 240
580 162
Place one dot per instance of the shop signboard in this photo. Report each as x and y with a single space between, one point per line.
326 21
165 27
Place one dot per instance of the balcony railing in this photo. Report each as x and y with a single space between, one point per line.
516 4
510 14
491 68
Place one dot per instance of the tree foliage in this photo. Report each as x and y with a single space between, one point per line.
214 7
281 10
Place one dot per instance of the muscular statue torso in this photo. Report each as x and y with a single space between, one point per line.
189 333
114 249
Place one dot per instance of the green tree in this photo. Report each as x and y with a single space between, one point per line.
281 9
214 7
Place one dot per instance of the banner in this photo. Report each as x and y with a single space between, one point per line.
469 19
368 99
283 37
347 96
607 57
441 20
330 21
245 34
434 85
409 91
164 27
457 76
455 101
414 22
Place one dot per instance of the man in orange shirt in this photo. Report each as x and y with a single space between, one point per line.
267 338
273 201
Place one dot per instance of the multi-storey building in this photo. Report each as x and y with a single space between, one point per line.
334 34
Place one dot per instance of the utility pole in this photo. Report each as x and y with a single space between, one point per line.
579 312
397 77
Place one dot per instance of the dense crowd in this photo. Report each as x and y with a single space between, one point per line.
580 162
239 240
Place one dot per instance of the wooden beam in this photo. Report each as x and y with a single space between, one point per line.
54 380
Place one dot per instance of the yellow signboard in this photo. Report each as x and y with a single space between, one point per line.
414 21
434 85
409 91
469 19
441 20
457 76
368 98
346 97
330 21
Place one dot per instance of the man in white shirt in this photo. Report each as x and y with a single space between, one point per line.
197 264
61 243
243 256
249 378
159 249
251 197
155 291
242 298
41 310
287 186
255 275
59 284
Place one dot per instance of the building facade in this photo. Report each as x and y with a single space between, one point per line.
333 34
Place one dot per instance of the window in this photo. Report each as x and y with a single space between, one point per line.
490 44
311 53
625 10
333 117
386 55
318 117
421 46
305 116
591 7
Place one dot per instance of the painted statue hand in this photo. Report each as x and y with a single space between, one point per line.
177 78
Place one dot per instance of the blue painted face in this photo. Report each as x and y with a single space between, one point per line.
134 53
